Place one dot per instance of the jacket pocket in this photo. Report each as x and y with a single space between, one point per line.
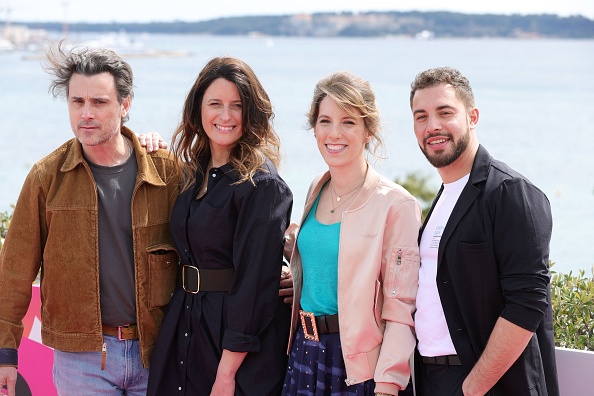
162 266
404 273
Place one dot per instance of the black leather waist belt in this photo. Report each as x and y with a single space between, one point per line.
448 360
315 325
127 332
194 280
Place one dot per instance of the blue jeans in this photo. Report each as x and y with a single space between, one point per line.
79 373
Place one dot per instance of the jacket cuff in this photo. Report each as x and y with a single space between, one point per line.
385 387
239 342
525 318
9 357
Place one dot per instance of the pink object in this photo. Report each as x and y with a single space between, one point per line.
35 359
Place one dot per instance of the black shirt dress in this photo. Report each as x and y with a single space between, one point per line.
238 226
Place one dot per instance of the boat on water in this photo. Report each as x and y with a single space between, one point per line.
6 45
128 47
125 45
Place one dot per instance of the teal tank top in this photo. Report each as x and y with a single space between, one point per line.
318 246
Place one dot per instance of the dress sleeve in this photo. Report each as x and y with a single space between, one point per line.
522 227
400 284
263 216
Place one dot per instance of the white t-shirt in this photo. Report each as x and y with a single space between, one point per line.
430 323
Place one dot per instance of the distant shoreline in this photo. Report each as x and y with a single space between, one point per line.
413 24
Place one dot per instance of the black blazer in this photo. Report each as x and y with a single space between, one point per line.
493 261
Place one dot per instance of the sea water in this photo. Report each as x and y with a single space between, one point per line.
535 97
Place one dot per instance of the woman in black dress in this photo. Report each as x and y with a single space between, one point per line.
226 329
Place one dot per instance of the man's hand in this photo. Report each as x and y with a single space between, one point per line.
286 285
152 141
8 378
506 343
290 238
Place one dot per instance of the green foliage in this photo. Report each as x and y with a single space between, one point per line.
573 310
418 186
5 218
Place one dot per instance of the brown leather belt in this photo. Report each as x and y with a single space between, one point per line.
313 325
447 360
126 332
194 280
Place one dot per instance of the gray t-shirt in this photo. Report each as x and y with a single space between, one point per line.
115 186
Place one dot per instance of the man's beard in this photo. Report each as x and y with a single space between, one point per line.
439 160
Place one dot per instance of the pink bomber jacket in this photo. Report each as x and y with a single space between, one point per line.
378 267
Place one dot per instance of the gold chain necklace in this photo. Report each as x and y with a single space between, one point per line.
341 202
338 197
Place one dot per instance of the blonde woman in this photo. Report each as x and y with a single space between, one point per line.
355 261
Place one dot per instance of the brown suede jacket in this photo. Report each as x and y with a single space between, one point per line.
54 227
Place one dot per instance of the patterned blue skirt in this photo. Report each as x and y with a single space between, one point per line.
317 369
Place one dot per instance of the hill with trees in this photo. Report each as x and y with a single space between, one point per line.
365 24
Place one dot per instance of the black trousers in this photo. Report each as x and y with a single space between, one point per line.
438 380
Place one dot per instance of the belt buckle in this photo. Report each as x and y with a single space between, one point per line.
120 337
184 269
308 321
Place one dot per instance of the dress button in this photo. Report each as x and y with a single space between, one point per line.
179 388
214 175
181 362
186 334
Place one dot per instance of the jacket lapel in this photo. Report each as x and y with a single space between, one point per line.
466 199
478 174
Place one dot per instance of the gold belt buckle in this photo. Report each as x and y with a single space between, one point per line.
185 268
308 322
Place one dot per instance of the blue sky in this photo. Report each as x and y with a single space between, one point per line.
195 10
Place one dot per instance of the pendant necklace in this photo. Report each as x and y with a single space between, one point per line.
341 202
353 192
339 197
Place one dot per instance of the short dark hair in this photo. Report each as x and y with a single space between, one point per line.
444 75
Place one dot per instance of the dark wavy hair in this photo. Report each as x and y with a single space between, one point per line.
258 140
62 64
